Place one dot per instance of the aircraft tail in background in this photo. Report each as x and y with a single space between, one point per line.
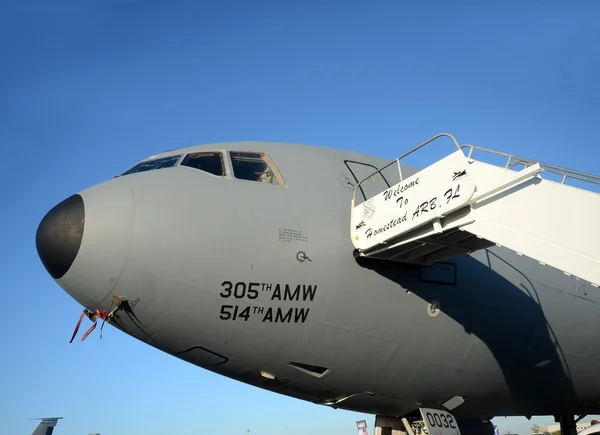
46 426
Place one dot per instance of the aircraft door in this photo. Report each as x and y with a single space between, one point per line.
370 187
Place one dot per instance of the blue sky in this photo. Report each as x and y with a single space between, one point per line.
90 88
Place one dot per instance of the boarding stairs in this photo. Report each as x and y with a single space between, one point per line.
460 205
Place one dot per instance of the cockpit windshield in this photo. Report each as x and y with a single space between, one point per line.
211 162
246 165
149 165
255 167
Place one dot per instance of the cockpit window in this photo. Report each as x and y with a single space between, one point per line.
149 165
255 167
211 162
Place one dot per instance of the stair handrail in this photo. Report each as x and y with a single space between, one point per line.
397 160
512 160
565 172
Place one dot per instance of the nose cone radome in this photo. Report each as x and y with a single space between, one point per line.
59 236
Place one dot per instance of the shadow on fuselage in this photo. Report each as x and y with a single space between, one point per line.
498 304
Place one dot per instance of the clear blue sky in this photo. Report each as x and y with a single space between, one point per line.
89 88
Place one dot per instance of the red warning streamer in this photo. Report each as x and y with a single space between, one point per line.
98 314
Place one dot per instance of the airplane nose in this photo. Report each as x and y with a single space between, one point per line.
59 234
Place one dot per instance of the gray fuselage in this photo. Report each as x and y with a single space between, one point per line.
241 277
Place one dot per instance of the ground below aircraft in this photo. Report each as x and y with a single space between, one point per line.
306 271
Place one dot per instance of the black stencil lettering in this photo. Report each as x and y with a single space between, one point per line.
225 312
430 419
279 317
456 195
289 296
295 315
253 290
437 419
401 201
259 310
276 293
291 293
416 213
450 194
245 313
309 292
400 189
445 420
301 315
227 291
268 316
240 290
451 421
369 232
